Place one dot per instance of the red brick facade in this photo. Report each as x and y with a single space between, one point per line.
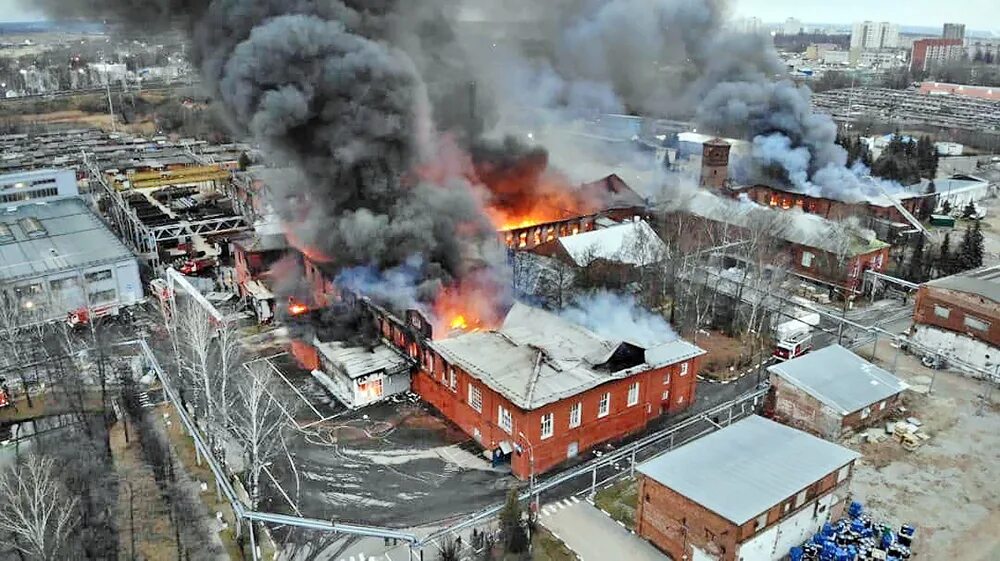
452 399
675 523
961 312
825 267
792 406
828 208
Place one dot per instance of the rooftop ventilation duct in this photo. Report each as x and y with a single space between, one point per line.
32 227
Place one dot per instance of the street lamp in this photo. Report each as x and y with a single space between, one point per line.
531 463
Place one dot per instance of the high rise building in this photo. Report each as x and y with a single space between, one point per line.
869 35
929 52
953 31
792 26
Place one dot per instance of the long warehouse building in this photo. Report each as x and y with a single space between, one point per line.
56 256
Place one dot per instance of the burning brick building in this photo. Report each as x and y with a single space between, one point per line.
539 390
816 249
608 198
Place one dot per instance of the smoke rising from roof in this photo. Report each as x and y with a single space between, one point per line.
619 318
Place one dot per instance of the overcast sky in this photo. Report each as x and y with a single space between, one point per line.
976 14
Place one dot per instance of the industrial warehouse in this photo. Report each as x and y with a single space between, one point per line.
445 281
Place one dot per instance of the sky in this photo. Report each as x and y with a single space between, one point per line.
18 10
976 14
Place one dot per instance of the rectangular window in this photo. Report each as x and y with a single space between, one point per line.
843 473
666 395
504 419
548 421
866 412
977 324
446 373
102 297
604 407
429 362
452 380
807 259
475 398
633 394
800 499
941 312
666 378
575 414
761 521
98 275
62 284
684 369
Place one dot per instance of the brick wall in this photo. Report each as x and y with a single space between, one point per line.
795 408
957 306
435 387
673 522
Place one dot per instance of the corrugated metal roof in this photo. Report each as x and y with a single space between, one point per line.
984 281
839 378
745 469
75 238
537 358
631 243
355 362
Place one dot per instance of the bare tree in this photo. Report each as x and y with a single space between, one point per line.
229 353
35 509
194 339
260 422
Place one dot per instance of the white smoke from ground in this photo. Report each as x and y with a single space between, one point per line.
619 317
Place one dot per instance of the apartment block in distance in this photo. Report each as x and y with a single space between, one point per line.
748 492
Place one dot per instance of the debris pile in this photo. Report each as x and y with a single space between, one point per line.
856 537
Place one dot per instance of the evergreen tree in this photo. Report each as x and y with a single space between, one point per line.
511 522
944 260
970 250
946 208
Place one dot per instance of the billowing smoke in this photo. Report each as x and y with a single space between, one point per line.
670 58
339 90
620 318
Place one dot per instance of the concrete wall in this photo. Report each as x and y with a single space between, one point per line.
775 542
970 352
958 305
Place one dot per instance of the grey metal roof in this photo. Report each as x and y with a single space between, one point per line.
75 238
630 243
745 469
537 358
984 282
355 362
839 378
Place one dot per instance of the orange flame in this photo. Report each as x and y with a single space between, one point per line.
464 307
458 322
296 308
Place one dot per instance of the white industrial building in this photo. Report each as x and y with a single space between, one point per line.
960 189
56 256
360 376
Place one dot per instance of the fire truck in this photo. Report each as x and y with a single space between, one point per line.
794 337
83 316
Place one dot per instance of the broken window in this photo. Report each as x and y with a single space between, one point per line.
666 378
452 380
547 425
504 420
807 259
684 369
977 324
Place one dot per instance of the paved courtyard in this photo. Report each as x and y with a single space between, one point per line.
594 536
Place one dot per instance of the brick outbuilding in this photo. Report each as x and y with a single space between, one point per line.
748 492
828 391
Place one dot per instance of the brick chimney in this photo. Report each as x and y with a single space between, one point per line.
715 163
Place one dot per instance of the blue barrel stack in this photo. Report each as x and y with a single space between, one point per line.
856 537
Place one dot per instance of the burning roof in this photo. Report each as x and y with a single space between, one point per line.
536 357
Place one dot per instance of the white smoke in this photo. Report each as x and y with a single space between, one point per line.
620 318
